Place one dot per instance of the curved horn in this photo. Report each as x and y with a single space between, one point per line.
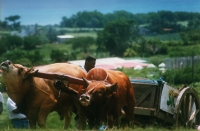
87 82
29 72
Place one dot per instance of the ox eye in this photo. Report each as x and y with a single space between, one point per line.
99 93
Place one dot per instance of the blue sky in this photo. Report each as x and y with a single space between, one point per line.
45 12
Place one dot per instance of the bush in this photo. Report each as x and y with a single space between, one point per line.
186 75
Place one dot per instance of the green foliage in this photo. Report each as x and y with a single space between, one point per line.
117 36
147 73
183 75
3 47
11 42
14 55
59 55
81 43
36 58
130 52
84 19
15 25
30 42
23 57
155 46
191 37
51 35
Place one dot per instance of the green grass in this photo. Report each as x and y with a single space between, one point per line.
171 36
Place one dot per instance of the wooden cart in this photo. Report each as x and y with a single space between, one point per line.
156 99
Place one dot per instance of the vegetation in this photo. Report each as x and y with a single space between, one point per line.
152 36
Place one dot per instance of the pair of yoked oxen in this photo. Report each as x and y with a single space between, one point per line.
100 96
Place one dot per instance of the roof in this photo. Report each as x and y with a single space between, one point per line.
65 36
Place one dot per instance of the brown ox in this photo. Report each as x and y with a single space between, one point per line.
38 96
107 93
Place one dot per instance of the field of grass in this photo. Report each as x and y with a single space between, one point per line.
171 36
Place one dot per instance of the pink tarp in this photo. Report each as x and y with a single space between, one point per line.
121 64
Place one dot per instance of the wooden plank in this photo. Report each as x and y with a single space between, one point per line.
166 117
145 94
145 111
152 99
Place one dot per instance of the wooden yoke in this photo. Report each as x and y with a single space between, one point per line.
55 76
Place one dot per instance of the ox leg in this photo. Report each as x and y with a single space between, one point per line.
68 116
32 116
82 117
43 113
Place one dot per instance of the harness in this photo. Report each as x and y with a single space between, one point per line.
51 96
108 98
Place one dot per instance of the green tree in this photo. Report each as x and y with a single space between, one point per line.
51 35
2 47
15 25
81 43
142 46
30 42
36 58
191 37
130 52
117 36
16 56
155 46
12 41
59 55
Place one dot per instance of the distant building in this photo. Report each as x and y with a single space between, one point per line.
61 38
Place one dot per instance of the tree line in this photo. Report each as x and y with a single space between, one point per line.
154 21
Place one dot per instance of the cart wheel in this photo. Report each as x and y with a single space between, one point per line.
187 107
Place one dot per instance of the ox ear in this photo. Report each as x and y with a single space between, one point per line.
29 73
87 82
112 88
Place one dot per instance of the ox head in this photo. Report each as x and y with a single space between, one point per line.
97 92
13 76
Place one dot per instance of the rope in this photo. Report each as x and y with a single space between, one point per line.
51 96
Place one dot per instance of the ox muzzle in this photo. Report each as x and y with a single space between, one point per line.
84 99
5 65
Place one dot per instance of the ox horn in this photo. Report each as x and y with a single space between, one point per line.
87 82
112 88
29 73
